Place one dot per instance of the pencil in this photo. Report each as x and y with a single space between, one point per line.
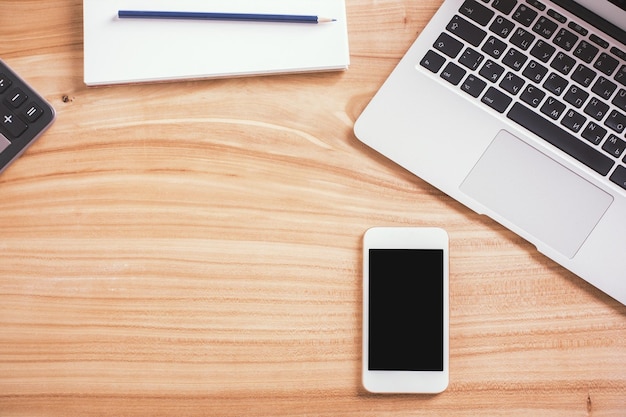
242 17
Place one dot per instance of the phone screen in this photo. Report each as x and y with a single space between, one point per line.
406 310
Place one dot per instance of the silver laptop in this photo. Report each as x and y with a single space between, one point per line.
517 108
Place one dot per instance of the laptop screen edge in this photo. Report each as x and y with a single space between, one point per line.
607 10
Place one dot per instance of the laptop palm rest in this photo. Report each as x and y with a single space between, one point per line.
510 180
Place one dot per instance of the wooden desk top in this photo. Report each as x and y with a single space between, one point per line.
194 248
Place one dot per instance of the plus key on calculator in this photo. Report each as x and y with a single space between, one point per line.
24 115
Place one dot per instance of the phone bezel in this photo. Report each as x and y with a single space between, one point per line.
406 381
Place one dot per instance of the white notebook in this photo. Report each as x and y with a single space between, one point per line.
144 50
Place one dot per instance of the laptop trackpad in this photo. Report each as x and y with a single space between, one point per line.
537 194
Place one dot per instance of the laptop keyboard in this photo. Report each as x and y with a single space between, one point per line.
23 115
545 72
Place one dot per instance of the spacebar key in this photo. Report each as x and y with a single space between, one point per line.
561 139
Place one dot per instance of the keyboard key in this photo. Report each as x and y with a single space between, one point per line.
491 71
536 3
557 16
616 121
555 84
606 64
512 83
542 51
502 27
473 85
560 138
618 53
494 47
504 6
598 41
565 39
553 108
466 30
514 59
432 61
532 95
604 88
620 99
596 108
524 15
614 146
573 120
563 63
583 75
576 96
585 51
476 11
471 58
594 133
496 99
535 72
453 73
522 39
448 45
620 77
619 176
577 28
545 27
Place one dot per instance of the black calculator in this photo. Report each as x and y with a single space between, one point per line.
24 115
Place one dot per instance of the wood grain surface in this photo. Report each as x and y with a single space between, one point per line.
194 249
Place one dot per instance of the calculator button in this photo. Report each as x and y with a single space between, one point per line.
31 112
11 123
16 97
4 83
4 143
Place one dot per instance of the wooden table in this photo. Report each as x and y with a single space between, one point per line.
194 248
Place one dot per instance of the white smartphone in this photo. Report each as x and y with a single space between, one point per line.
405 310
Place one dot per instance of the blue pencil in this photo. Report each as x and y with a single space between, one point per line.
242 17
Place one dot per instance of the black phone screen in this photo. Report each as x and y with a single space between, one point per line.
406 302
